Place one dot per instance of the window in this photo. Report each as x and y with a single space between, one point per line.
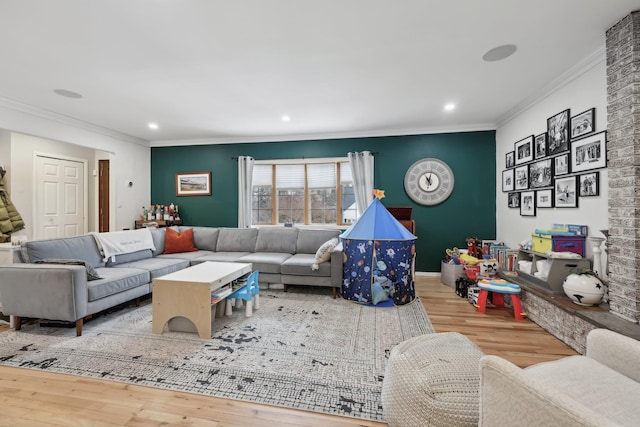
309 191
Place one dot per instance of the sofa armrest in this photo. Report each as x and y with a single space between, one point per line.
615 351
46 291
337 268
511 396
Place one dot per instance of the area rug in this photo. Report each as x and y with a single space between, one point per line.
300 350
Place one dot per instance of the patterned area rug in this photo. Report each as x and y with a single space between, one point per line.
300 350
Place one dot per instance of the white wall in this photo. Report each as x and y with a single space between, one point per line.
586 91
129 161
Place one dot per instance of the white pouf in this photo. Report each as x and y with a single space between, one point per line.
433 380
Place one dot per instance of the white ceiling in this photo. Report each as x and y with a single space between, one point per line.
220 71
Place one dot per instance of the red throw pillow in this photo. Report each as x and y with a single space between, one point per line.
175 242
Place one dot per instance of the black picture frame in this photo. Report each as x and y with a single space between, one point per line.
507 180
540 146
513 200
521 177
558 132
589 153
510 159
583 124
524 150
544 198
562 164
541 173
589 184
528 203
565 192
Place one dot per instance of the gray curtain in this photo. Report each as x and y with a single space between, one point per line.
245 175
362 173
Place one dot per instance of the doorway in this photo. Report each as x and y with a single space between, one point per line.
103 196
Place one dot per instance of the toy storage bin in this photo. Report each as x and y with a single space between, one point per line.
449 273
542 243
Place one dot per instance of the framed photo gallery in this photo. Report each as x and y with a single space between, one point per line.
554 169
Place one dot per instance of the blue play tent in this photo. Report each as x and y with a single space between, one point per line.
379 259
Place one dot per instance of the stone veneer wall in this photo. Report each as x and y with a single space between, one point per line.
568 328
623 150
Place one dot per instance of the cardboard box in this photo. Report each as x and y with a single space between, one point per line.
578 230
449 273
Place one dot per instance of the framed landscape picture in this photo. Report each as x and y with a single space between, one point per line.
558 132
589 152
541 173
524 150
566 195
561 164
193 184
540 145
589 184
521 177
583 124
507 180
510 159
528 203
544 198
513 200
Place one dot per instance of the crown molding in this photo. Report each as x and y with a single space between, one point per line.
556 84
321 136
70 121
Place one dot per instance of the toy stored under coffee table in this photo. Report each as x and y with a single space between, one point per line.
187 293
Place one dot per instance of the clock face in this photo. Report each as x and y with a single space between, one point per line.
429 181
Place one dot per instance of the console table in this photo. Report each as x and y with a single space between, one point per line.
159 222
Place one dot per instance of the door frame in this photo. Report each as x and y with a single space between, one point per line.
85 179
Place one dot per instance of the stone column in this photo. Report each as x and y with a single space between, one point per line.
623 151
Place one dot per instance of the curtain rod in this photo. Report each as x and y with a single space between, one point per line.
373 153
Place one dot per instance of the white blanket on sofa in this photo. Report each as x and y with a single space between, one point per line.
123 242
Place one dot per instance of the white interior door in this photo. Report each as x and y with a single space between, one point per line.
59 198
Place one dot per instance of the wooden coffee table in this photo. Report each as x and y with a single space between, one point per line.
187 293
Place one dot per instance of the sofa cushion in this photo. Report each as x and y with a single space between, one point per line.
204 238
277 239
300 265
188 256
115 280
158 266
79 247
133 256
158 234
592 384
237 240
222 256
265 262
176 242
309 240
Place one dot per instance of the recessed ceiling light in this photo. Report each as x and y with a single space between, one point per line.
450 107
153 126
67 93
499 53
286 118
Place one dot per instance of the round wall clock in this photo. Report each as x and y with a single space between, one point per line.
429 181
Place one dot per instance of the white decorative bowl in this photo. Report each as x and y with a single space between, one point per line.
583 289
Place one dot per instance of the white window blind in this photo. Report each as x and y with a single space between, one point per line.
262 176
321 175
345 173
290 176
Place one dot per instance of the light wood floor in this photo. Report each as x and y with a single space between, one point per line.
34 398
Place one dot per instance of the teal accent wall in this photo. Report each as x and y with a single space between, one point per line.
469 211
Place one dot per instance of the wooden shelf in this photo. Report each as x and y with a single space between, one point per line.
159 222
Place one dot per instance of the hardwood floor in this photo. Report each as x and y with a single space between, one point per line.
34 398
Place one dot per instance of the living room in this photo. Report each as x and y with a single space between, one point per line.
477 207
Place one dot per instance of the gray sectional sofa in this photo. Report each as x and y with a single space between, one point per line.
53 281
